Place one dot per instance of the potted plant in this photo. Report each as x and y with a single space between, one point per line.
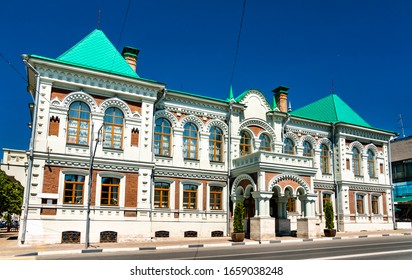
238 234
330 230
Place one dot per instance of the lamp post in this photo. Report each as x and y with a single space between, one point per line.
92 155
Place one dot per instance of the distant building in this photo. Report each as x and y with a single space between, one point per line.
173 164
401 153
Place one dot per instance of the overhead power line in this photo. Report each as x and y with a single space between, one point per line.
238 41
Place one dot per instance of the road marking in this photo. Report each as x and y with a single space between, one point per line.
362 255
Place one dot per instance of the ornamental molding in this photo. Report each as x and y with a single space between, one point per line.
78 164
169 116
367 189
218 123
346 131
184 101
118 103
260 95
80 96
99 82
240 178
325 141
356 144
257 122
293 137
292 177
373 148
309 139
325 186
301 127
186 175
201 114
192 119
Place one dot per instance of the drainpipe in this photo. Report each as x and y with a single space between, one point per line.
229 166
161 98
31 147
334 178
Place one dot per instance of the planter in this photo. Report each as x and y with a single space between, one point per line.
238 236
330 232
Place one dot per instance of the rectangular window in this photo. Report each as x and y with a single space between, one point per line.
216 198
375 204
359 204
110 191
73 189
189 196
161 195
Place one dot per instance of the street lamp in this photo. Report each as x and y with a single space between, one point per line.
92 154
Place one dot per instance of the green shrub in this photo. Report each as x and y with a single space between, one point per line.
238 223
329 216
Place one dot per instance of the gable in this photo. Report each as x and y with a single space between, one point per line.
256 104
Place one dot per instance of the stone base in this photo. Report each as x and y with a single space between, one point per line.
262 228
282 227
308 228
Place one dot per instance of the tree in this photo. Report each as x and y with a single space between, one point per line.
329 215
11 195
238 223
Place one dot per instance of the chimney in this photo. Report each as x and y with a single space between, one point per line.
281 97
130 55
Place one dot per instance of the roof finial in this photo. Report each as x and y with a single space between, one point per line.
98 19
230 97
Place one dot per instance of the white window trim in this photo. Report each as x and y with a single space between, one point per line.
122 188
65 172
224 194
172 191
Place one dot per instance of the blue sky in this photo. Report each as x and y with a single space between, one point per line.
364 47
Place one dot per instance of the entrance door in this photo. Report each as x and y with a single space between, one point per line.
249 213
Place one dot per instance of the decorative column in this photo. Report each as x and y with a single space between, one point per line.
262 226
282 223
308 227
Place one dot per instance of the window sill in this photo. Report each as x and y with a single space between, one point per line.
72 145
105 149
191 159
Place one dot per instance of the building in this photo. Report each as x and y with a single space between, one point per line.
401 158
157 162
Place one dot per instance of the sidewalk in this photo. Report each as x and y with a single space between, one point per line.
11 249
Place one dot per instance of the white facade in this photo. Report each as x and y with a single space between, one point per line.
169 178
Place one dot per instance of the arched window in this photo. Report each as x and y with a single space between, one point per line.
245 143
371 163
78 123
216 144
324 159
162 137
113 128
307 149
288 147
190 139
264 142
356 161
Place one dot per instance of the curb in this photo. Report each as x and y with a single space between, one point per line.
191 246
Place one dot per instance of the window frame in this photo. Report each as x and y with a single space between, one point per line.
161 187
164 137
213 193
360 203
371 163
245 145
190 193
324 159
375 204
113 126
190 136
216 145
356 161
288 146
74 197
307 145
110 186
265 142
80 121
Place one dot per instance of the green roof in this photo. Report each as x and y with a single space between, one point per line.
97 52
330 109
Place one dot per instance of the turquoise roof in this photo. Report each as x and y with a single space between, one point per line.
330 109
95 51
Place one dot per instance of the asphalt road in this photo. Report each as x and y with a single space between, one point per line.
373 248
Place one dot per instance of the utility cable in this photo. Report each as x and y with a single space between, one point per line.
238 41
